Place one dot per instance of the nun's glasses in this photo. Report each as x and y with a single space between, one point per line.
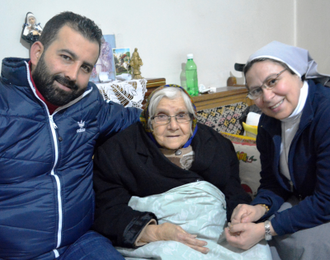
269 83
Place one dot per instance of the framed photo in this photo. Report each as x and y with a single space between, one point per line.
121 58
105 63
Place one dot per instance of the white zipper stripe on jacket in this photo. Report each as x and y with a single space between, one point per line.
57 180
53 126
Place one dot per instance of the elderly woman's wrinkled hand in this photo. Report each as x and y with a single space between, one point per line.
171 232
244 213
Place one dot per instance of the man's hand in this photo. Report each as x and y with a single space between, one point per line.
171 232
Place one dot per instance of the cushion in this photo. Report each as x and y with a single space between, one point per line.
249 161
250 130
224 118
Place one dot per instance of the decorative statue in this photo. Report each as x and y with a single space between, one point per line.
31 29
136 63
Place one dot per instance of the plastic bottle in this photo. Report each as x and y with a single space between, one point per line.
191 76
183 79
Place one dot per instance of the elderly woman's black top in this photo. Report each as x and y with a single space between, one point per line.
131 164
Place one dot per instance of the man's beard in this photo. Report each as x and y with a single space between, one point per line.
44 82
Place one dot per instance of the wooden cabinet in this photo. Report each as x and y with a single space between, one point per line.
224 96
152 84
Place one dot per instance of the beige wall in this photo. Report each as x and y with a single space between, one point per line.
218 32
313 30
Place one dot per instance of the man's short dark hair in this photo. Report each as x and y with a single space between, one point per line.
81 24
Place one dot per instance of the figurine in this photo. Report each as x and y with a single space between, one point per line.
31 30
136 63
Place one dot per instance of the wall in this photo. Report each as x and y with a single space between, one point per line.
218 32
313 31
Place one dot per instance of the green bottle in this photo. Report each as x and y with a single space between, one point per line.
191 76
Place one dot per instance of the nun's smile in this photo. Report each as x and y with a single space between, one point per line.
282 99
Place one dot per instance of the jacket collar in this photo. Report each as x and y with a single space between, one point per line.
14 71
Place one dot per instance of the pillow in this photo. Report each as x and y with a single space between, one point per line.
224 118
250 130
249 161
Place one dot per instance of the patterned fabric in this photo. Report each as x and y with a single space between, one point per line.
249 161
240 138
200 209
129 93
183 157
224 119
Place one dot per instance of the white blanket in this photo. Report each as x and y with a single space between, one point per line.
199 208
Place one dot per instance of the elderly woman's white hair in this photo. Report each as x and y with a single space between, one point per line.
297 59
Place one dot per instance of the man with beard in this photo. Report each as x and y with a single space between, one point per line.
50 120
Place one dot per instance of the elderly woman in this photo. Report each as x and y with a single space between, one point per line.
167 180
294 144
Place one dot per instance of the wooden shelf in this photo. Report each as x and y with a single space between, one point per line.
152 84
224 96
155 82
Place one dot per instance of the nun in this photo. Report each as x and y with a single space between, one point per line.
292 207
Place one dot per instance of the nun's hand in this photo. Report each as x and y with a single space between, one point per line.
244 235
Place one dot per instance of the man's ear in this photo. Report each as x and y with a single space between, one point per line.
36 50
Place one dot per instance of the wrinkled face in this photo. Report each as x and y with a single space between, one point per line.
280 101
63 70
172 135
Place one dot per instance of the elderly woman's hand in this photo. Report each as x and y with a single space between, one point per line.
168 231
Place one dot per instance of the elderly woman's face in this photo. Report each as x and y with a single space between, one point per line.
280 101
172 135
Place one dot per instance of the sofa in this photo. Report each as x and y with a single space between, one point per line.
228 121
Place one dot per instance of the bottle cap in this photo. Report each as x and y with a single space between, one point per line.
190 56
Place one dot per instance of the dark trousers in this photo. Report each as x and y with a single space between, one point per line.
307 244
91 246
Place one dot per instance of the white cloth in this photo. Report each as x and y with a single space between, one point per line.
289 127
253 118
199 208
129 93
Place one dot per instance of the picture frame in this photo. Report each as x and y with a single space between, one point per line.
121 59
105 62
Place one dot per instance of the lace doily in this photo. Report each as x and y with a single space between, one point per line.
129 93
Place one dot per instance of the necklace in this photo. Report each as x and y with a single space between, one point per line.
178 152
